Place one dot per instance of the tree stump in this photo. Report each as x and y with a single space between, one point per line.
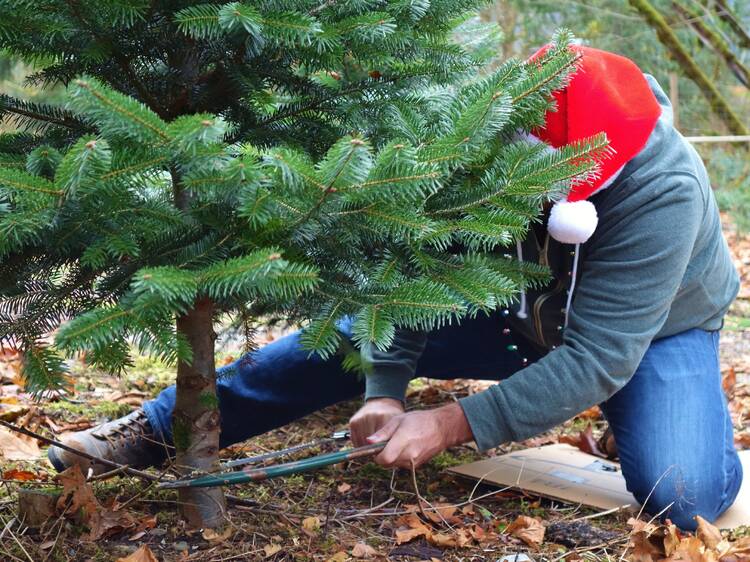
37 506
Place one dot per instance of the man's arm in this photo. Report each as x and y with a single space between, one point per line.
632 271
389 373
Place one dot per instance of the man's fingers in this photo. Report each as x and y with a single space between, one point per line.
389 454
385 432
355 434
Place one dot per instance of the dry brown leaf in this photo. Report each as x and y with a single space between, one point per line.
143 554
414 527
344 488
443 540
15 447
742 440
529 529
710 535
311 526
477 533
411 534
79 500
585 441
440 513
22 475
729 382
691 549
362 550
271 549
458 539
217 537
593 413
740 548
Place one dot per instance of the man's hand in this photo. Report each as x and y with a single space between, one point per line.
371 417
416 437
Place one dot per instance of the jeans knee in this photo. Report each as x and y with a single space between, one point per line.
680 499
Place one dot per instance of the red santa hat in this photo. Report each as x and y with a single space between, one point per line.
608 93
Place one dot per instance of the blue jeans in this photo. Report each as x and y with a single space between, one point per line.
671 424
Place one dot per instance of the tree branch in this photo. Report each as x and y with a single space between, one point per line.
669 39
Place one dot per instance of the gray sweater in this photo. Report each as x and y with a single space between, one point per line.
656 266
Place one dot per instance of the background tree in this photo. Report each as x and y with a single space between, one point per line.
312 160
618 26
711 36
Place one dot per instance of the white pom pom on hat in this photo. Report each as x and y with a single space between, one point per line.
572 222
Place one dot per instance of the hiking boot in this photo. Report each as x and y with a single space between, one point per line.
128 440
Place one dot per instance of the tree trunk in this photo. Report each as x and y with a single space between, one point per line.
714 41
195 421
691 69
725 13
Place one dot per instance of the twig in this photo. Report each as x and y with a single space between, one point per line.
601 513
421 499
15 538
61 522
366 511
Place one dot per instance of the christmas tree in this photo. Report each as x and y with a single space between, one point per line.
306 159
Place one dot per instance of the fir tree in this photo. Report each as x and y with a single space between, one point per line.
309 159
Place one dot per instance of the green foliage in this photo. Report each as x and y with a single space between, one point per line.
309 160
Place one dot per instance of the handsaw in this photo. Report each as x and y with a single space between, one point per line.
334 438
285 469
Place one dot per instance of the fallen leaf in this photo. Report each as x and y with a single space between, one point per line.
143 554
691 549
217 537
593 413
15 447
458 539
340 556
414 528
528 529
710 535
271 549
78 499
729 382
740 548
440 513
362 550
344 488
22 475
585 441
650 542
477 533
310 526
148 522
742 440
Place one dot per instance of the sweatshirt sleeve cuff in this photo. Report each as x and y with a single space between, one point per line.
486 420
386 385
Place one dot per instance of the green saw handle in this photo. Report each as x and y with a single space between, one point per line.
285 469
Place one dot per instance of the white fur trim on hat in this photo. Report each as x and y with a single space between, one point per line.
572 223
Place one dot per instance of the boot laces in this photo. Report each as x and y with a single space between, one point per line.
131 428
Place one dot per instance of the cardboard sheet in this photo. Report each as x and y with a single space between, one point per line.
566 473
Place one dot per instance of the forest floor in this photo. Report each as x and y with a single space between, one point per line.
346 512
